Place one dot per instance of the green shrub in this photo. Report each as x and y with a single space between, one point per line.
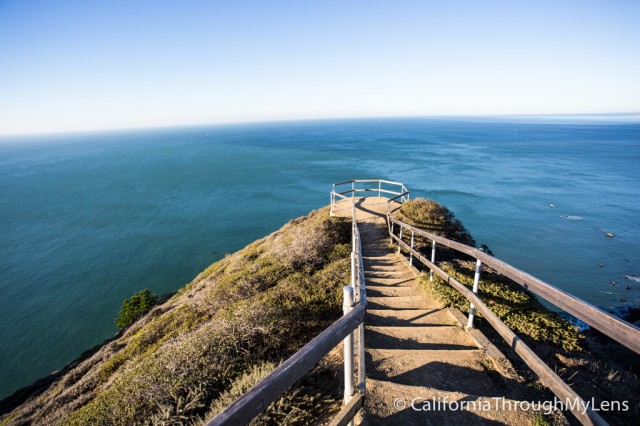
340 251
435 218
515 306
134 307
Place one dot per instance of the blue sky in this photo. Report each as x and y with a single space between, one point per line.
80 65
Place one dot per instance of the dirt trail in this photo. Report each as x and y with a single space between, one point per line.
417 352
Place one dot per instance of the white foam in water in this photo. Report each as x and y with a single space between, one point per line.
573 217
632 278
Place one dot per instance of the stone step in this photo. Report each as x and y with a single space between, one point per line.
374 250
382 267
390 282
408 317
456 370
385 255
377 255
386 275
407 405
418 337
400 302
388 290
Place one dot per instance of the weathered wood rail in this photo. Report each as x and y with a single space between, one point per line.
614 327
269 389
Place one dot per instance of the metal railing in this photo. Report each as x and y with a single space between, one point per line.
623 332
276 383
368 187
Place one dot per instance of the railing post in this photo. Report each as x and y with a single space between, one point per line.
379 189
433 258
353 237
347 306
411 254
353 269
401 229
353 189
476 282
391 238
362 375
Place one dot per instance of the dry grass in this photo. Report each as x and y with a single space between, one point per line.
217 335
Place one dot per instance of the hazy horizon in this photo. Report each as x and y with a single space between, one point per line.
85 66
607 117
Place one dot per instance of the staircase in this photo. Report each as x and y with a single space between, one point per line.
417 352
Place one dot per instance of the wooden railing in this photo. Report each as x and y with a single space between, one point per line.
276 383
616 328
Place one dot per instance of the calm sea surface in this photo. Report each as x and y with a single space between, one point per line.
87 220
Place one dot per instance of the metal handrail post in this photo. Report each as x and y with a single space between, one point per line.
362 374
433 259
353 269
391 233
410 253
476 283
347 306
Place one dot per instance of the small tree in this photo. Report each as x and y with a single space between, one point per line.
134 307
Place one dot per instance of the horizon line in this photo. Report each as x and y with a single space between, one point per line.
328 118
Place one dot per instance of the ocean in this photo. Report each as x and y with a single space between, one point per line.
88 219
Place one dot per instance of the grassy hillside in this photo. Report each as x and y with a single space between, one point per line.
191 355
